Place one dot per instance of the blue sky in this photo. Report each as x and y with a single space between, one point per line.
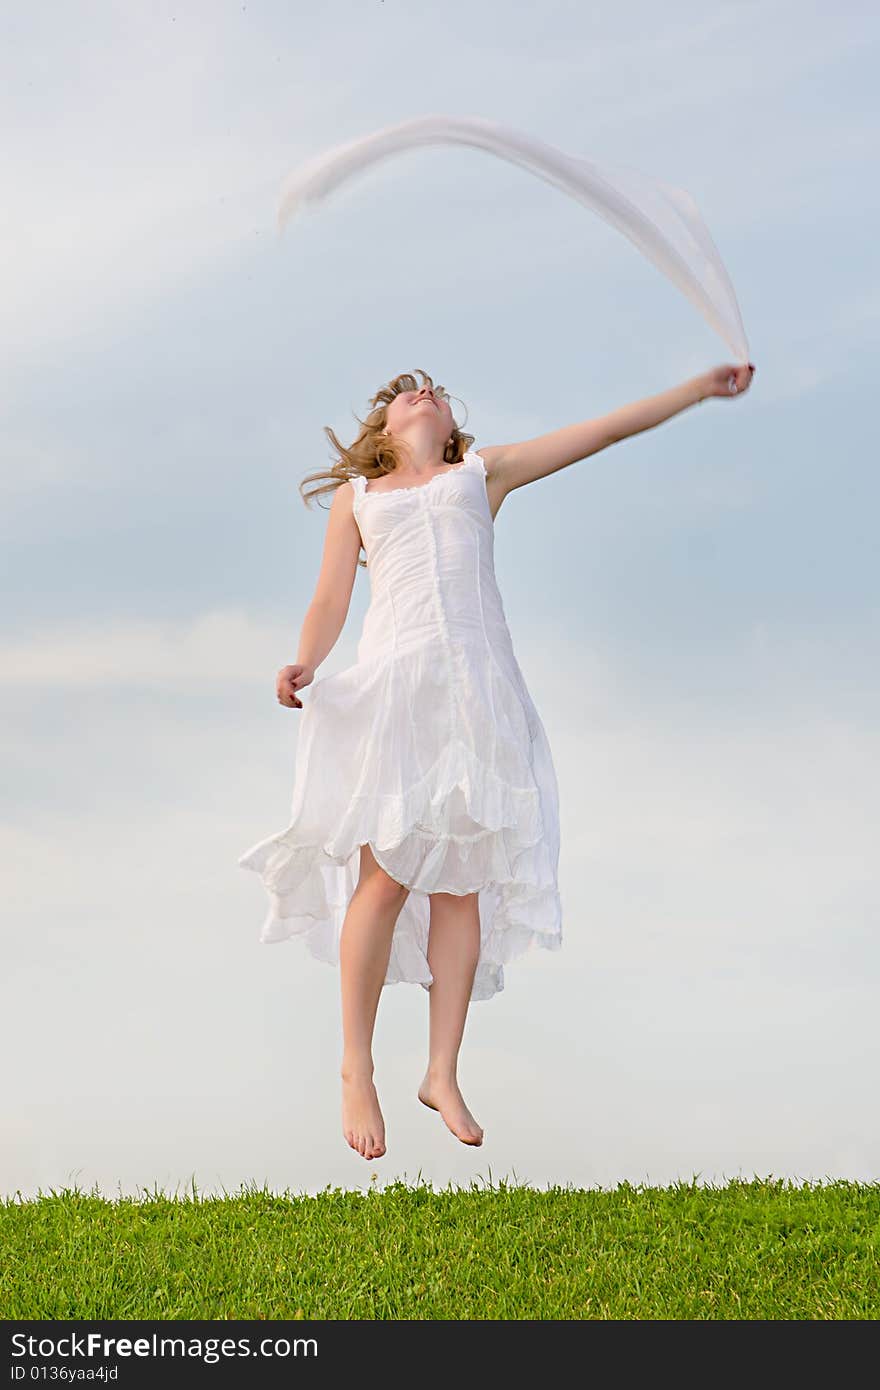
695 609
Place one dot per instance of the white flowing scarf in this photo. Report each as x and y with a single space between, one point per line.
661 220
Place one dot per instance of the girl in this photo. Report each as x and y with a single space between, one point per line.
424 836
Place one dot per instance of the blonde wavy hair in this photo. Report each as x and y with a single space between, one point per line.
373 453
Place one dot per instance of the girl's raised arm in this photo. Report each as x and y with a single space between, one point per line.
514 465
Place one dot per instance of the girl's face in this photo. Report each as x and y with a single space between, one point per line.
426 407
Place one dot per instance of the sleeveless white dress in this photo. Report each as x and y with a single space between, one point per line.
428 748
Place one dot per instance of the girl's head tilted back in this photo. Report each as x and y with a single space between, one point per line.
421 417
401 411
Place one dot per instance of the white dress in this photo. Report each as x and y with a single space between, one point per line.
428 748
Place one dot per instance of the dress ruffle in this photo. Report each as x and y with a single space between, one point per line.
458 796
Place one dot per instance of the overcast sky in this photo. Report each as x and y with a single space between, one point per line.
695 609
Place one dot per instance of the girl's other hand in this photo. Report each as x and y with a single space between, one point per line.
290 679
727 381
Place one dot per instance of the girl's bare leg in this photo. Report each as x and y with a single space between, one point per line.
364 951
453 954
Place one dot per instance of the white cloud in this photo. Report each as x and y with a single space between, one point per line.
227 645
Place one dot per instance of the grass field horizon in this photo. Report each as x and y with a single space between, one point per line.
763 1248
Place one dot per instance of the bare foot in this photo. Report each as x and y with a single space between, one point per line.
443 1095
362 1122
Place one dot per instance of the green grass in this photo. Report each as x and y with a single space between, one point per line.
760 1249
